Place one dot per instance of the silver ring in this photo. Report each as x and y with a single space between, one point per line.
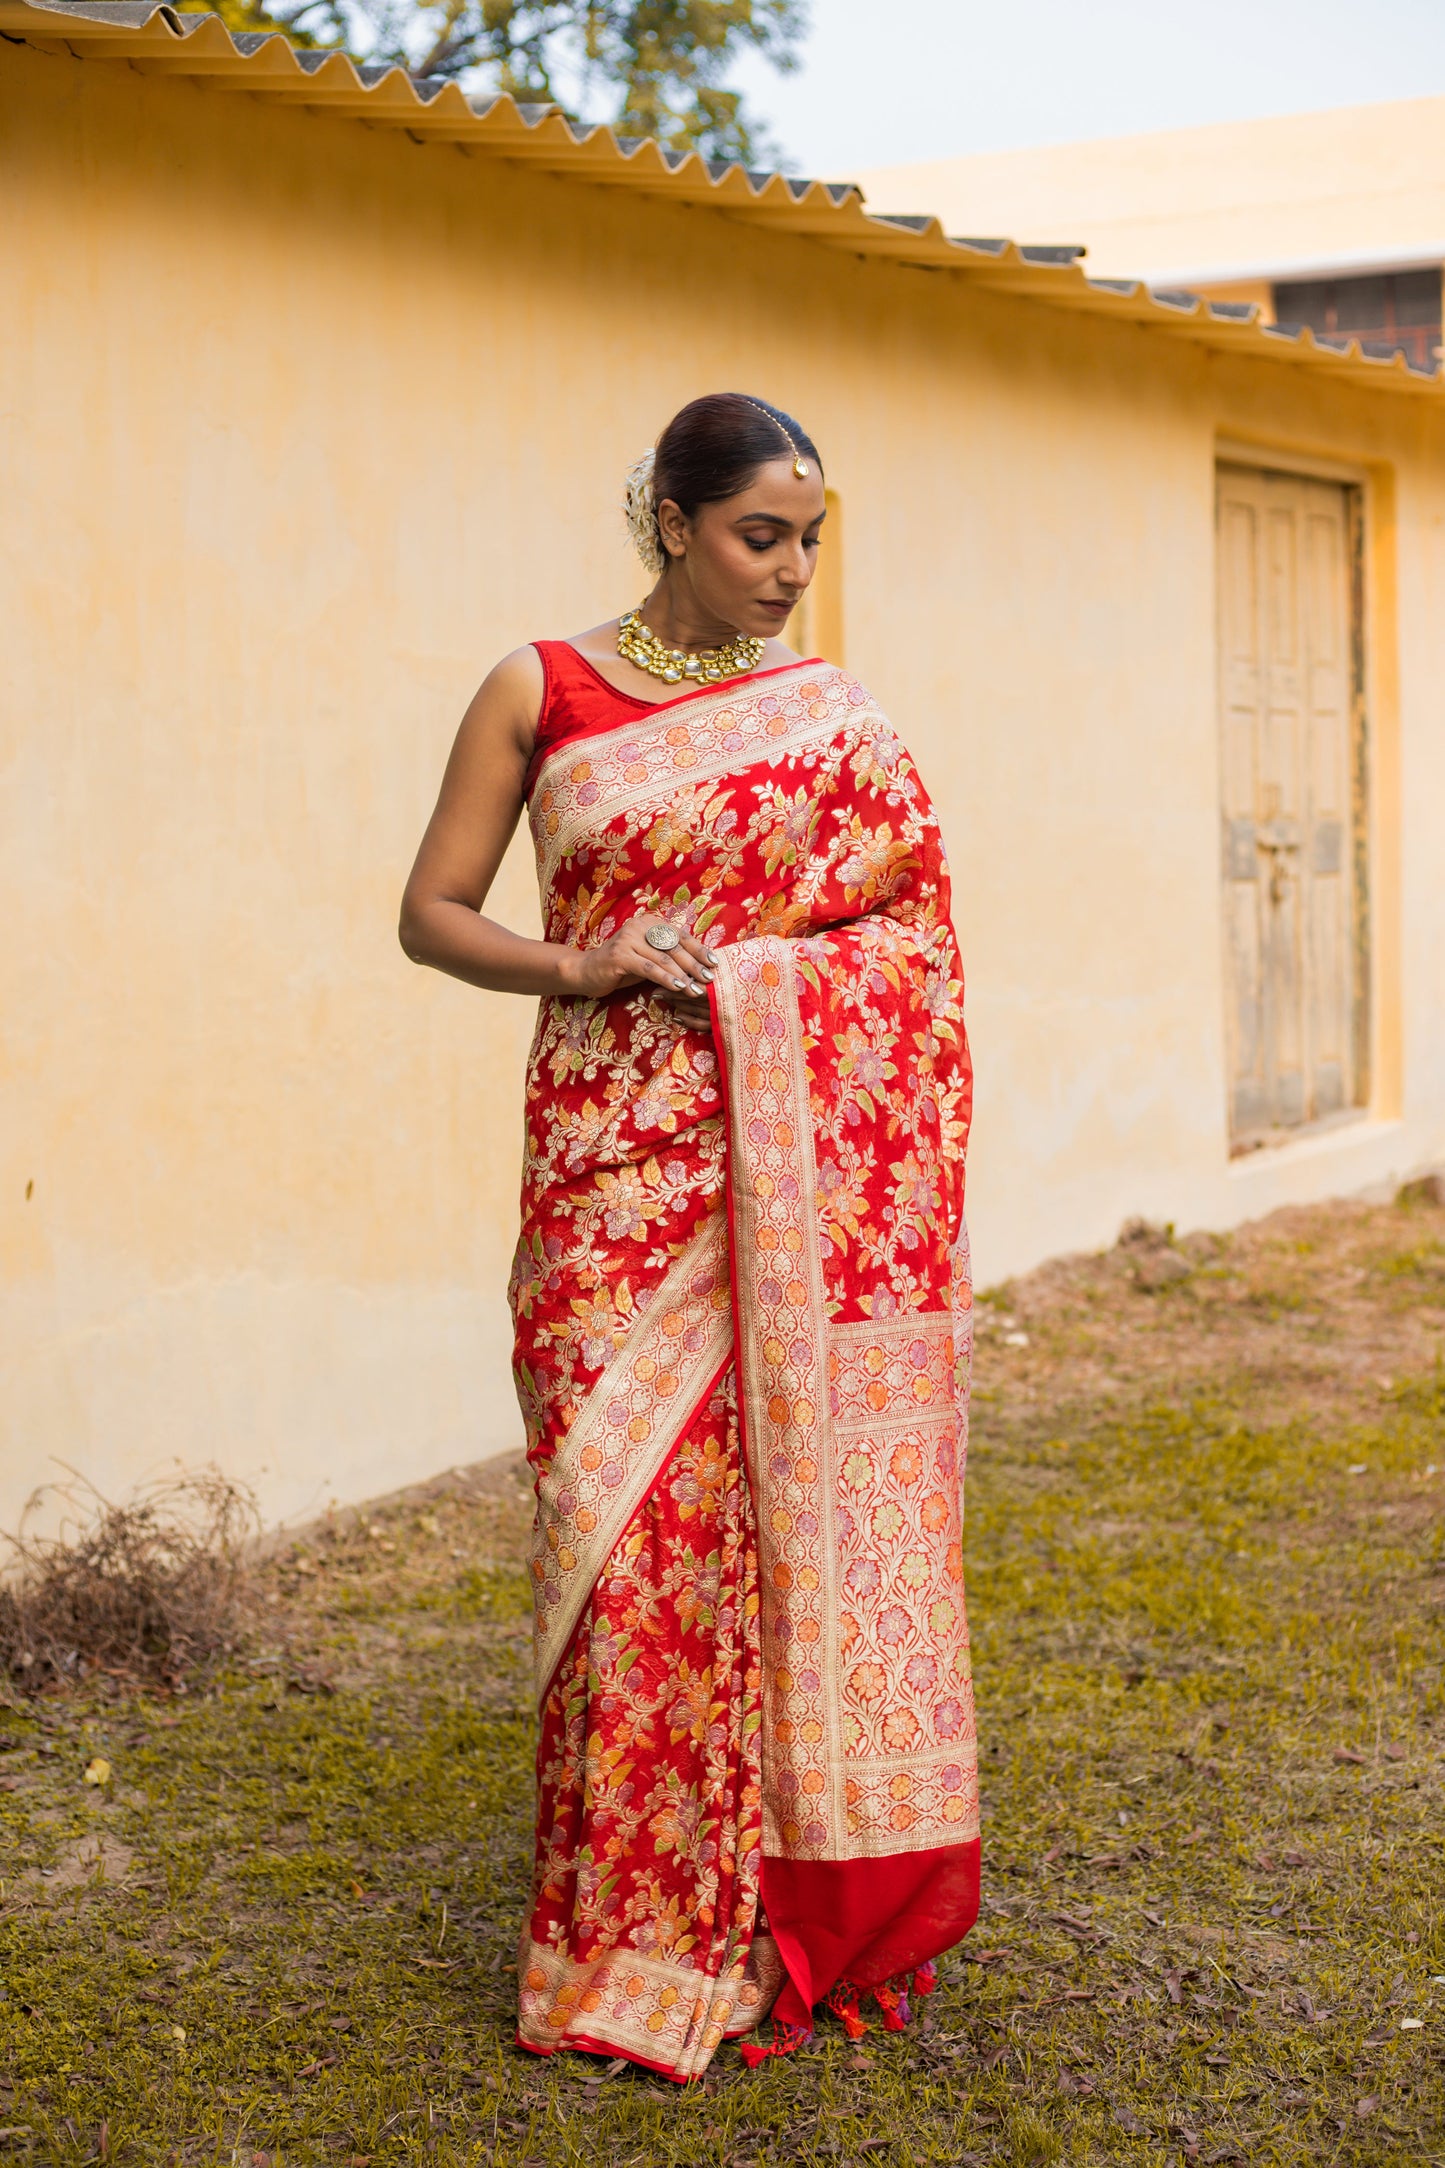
662 938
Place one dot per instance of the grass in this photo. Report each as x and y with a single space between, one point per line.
1207 1570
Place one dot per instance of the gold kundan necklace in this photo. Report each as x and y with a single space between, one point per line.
638 643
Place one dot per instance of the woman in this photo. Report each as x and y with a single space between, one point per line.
741 1292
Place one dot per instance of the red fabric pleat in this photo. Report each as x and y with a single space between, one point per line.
865 1920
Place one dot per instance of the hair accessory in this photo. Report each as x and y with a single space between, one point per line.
639 509
638 643
800 464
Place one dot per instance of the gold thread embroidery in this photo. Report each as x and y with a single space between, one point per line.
625 1429
584 786
854 1435
663 2013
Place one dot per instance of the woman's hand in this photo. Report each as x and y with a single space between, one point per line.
684 973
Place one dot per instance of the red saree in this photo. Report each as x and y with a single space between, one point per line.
743 1323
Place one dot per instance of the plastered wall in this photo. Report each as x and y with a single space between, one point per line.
302 426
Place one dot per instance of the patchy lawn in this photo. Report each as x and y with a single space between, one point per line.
1207 1579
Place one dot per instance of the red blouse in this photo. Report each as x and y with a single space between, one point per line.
578 701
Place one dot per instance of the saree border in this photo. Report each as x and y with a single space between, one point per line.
783 1396
806 1387
600 779
667 2015
624 1432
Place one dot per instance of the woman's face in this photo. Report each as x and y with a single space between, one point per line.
748 558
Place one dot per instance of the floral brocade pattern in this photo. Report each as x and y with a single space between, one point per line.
853 1353
774 1662
643 1936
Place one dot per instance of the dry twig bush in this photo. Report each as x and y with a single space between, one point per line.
148 1591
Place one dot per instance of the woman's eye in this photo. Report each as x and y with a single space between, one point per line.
758 541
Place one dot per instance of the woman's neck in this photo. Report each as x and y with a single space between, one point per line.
678 618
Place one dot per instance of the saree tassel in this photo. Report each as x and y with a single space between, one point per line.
785 2041
842 2000
891 1997
925 1979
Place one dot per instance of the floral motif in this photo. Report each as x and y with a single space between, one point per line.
720 1676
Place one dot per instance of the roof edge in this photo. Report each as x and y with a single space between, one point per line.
154 35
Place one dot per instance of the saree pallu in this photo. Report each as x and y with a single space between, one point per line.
742 1306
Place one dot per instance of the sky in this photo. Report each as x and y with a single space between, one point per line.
886 81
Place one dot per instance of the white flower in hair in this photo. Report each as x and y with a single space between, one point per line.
639 507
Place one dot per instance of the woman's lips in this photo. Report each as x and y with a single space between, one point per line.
776 609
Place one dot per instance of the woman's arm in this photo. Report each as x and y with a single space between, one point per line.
480 802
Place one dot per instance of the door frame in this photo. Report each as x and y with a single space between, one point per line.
1374 749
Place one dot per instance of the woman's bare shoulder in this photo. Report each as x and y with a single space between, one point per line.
518 675
508 702
598 643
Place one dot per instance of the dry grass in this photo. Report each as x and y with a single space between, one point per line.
151 1590
1207 1560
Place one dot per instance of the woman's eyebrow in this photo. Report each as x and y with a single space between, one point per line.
776 519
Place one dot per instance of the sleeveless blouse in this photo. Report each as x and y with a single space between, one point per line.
578 701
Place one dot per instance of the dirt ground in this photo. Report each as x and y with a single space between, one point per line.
1207 1583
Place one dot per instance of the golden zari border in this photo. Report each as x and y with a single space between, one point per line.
645 2007
625 1429
584 787
850 1430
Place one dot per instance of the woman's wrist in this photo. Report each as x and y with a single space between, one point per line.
567 963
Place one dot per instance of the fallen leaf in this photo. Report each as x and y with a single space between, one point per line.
1174 1981
1394 1751
1348 1754
97 1771
1368 2105
1217 2062
1154 1920
1411 2024
1128 2122
1294 1859
439 1964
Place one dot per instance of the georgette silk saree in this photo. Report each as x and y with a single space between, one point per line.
742 1307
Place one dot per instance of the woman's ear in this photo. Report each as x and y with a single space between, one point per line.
672 525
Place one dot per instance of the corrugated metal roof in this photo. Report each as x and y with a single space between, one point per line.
159 39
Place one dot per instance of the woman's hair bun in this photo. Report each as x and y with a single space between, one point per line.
639 509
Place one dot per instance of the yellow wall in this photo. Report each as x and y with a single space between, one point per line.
1361 186
303 425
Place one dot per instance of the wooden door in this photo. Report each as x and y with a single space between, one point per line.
1289 679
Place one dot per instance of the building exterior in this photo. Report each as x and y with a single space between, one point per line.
319 390
1335 219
